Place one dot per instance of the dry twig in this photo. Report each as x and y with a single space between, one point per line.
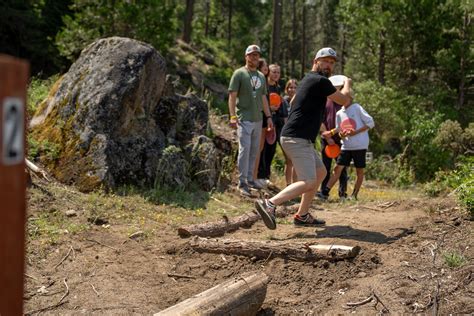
365 301
182 276
61 302
97 242
65 257
93 288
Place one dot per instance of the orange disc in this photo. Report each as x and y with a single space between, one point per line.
275 99
332 151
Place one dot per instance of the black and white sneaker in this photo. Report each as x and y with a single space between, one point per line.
307 221
267 213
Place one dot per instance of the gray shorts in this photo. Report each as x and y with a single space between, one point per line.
304 157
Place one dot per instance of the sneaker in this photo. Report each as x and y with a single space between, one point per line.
266 212
308 220
320 195
255 185
261 182
244 190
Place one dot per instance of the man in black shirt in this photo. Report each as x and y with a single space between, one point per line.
298 137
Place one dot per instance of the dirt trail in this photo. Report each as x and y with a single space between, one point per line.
106 272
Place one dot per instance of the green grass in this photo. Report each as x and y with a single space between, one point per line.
38 90
454 259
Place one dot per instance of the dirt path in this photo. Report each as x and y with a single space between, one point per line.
77 267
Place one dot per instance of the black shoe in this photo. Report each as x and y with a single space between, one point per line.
244 190
254 185
320 195
307 221
266 212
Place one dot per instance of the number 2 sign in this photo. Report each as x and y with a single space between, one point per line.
12 143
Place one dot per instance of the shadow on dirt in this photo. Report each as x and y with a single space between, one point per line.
347 232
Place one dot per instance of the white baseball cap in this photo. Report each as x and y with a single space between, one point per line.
326 52
338 80
252 49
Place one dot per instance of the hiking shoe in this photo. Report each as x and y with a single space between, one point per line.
244 191
308 220
320 195
261 182
255 185
266 212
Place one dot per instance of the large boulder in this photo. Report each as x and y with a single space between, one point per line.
100 116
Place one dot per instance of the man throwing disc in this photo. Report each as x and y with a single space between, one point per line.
298 137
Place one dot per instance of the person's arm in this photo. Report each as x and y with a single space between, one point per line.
366 119
232 107
343 97
266 111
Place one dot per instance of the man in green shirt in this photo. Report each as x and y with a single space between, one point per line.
247 100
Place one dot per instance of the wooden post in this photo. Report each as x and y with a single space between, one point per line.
13 82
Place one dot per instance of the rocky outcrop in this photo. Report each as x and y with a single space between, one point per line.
114 119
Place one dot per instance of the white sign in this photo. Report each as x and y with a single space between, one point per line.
13 151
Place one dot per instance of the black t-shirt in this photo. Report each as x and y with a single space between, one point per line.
308 107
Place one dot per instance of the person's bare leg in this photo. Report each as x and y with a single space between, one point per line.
293 190
359 180
308 196
335 176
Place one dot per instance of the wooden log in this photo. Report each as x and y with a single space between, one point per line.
243 295
271 249
226 225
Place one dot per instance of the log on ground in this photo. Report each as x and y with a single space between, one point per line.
226 225
242 295
272 249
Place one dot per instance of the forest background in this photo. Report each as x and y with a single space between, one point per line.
411 62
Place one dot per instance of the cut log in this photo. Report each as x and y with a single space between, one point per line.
271 249
226 225
36 170
243 295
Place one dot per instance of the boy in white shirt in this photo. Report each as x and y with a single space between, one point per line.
352 124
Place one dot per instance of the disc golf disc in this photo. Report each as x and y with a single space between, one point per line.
348 124
270 136
332 151
275 99
338 80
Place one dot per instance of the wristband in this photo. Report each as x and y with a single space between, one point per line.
269 117
333 132
233 117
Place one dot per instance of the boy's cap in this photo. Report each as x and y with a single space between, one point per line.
251 49
326 52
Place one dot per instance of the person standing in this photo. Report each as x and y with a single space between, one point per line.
298 137
290 91
263 68
352 123
247 99
279 117
329 123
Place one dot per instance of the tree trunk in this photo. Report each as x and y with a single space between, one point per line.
276 31
381 73
303 41
188 19
343 50
272 249
243 295
464 49
229 25
293 37
226 225
208 12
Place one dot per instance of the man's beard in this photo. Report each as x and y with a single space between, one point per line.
324 72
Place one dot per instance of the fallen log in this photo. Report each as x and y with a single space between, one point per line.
243 295
226 225
272 249
36 170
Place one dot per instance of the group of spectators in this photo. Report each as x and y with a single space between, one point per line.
317 105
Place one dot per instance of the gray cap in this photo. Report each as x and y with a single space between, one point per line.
326 52
251 49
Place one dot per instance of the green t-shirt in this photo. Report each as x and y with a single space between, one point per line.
250 87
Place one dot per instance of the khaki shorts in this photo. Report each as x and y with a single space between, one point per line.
303 156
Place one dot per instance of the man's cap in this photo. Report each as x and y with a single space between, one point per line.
338 80
252 49
326 52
